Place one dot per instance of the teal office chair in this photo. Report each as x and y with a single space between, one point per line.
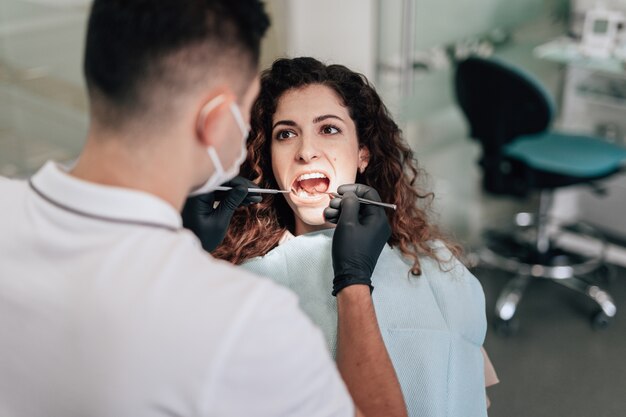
510 113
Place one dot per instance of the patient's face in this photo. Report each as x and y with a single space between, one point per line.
315 149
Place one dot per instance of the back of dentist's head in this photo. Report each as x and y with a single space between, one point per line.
144 59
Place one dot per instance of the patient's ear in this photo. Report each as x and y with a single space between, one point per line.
364 158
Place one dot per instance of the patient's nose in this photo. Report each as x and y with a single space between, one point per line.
308 150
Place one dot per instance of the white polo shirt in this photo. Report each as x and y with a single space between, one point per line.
109 308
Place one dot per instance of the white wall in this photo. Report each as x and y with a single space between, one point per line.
334 31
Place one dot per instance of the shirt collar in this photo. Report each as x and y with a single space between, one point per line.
287 236
122 205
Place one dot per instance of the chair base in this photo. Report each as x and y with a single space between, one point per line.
516 251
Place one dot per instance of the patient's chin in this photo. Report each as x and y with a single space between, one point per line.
313 216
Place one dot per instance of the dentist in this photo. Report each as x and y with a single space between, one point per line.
109 307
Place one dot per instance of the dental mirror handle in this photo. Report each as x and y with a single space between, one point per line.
371 202
255 190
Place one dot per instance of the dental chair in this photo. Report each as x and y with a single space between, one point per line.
510 114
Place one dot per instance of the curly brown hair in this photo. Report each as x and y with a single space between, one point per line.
392 168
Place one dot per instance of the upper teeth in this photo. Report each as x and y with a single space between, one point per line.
310 176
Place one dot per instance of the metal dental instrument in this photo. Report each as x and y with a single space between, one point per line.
366 201
256 190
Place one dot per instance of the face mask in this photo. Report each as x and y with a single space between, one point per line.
221 175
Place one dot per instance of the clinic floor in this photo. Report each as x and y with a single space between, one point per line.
555 365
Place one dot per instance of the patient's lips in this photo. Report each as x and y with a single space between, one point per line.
311 185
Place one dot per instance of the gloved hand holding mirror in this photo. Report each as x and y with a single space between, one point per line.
361 234
209 221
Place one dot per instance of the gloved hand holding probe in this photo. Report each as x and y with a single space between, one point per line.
210 223
361 234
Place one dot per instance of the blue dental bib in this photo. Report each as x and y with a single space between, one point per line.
433 325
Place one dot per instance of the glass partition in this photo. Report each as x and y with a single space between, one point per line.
42 99
417 39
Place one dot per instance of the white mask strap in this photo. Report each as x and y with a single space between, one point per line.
217 164
245 130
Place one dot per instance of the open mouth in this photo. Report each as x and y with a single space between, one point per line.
310 185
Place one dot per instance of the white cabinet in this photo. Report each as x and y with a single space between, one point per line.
594 102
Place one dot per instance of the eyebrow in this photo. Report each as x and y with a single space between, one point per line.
316 120
284 122
326 116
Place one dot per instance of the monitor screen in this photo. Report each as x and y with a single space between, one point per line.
600 26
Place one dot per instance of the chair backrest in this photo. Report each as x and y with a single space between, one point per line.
500 102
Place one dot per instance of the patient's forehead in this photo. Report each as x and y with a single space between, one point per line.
305 103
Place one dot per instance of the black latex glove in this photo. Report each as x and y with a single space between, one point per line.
361 234
210 224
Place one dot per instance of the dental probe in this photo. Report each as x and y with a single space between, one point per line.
255 190
366 201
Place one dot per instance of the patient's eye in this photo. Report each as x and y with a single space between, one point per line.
330 130
284 134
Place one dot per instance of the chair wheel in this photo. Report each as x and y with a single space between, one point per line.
505 328
599 320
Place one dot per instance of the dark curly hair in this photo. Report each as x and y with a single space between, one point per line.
392 169
136 46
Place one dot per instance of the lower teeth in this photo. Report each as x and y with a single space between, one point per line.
304 194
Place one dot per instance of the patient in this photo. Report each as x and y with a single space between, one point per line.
314 128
